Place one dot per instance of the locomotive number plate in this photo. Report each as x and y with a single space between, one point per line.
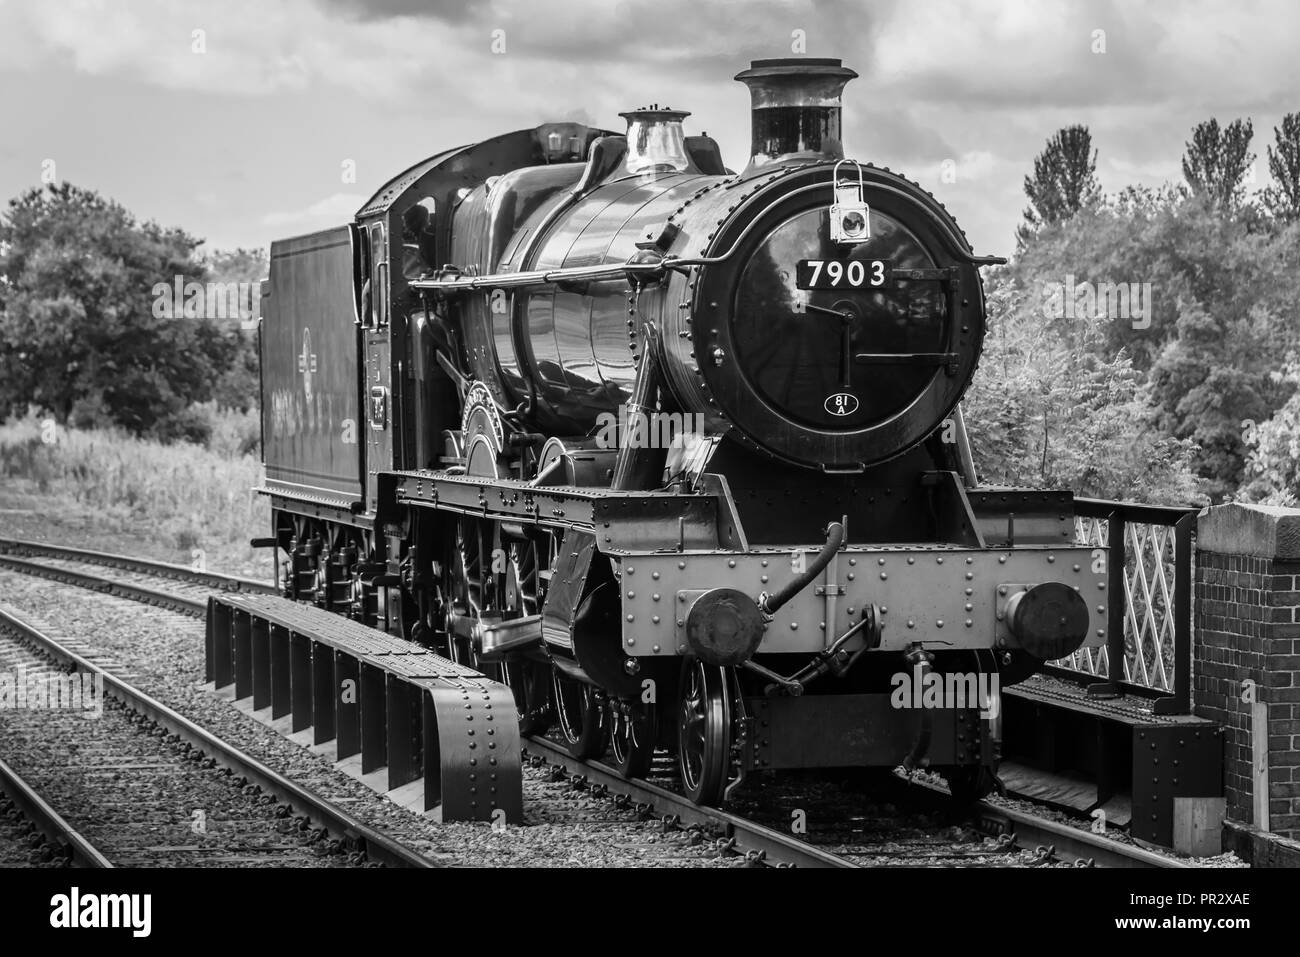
843 273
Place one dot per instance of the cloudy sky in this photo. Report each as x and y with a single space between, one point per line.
244 131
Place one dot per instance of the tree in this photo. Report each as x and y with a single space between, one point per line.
1049 409
1282 199
1216 162
79 334
238 387
1273 466
1064 180
1221 310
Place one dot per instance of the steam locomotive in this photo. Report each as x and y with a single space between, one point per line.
675 452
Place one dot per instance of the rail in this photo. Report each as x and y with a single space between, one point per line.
376 845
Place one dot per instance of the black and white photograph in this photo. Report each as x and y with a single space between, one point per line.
625 441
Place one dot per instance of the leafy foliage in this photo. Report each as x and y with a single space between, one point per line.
78 332
1273 467
1282 198
237 387
1049 409
1216 162
1064 180
1223 308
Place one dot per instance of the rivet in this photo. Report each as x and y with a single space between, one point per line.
630 618
731 563
1002 559
939 560
969 606
911 560
794 626
969 623
911 623
1002 589
630 569
631 641
631 594
970 575
654 619
938 623
883 576
655 649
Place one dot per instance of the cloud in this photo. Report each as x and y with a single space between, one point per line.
302 84
1006 54
451 11
330 211
240 47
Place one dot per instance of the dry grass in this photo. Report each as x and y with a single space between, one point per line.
175 499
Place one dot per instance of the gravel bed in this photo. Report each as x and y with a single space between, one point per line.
1119 835
161 652
21 844
873 824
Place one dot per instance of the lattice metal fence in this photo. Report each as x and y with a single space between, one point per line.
1150 623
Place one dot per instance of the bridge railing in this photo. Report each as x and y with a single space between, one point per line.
1148 553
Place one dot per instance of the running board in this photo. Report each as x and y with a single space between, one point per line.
389 703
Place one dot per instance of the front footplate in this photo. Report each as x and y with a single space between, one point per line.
434 735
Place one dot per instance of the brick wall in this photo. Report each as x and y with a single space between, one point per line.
1247 610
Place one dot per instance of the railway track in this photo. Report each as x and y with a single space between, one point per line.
996 835
143 566
134 778
908 826
47 834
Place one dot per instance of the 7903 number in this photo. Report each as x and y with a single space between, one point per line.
843 273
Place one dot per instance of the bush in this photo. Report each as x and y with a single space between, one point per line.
185 494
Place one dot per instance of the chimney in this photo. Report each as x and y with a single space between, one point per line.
795 109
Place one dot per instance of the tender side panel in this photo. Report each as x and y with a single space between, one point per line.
310 421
